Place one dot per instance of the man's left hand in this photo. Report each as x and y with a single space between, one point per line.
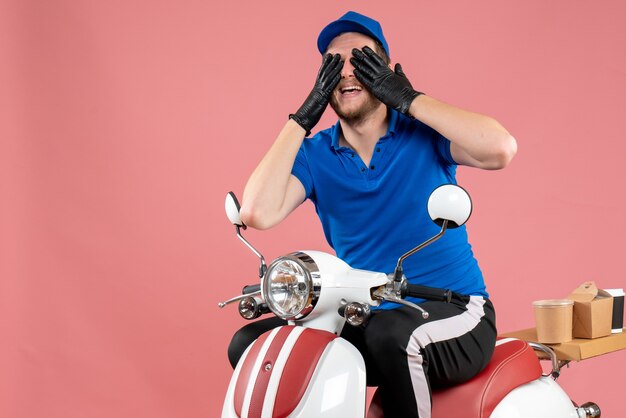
390 87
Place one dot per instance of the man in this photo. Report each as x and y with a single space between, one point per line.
369 177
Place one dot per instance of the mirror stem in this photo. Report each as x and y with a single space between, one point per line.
263 266
398 273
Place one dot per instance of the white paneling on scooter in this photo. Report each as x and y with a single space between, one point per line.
304 370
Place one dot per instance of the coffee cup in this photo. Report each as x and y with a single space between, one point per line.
617 323
553 318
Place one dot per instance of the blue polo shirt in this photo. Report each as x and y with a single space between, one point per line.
373 214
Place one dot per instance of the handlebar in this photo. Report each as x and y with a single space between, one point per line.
428 293
251 288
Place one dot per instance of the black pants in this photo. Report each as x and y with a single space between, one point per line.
407 356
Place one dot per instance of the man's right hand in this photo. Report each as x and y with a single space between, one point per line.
313 107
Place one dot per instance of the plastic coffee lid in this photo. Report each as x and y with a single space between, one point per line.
615 292
553 303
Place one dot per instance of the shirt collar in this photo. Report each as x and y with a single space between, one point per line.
391 129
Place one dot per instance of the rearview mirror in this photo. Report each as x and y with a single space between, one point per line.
449 202
233 207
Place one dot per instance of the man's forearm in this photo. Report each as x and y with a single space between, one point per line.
477 140
265 191
271 192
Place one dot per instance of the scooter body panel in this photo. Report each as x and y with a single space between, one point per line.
339 282
541 398
228 409
336 386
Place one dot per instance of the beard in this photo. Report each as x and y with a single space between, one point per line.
358 114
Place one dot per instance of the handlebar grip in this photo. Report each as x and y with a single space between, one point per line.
428 293
251 288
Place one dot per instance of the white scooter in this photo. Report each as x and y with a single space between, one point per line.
304 370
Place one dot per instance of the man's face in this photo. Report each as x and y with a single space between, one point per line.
350 99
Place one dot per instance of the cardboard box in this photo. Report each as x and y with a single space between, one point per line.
577 349
593 311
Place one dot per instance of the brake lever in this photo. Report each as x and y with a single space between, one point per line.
237 298
383 293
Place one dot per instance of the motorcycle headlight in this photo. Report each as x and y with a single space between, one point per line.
291 286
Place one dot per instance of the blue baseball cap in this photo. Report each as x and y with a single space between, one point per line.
351 22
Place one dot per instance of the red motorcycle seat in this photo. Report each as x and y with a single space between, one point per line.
513 364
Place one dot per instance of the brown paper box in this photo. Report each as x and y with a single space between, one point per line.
593 309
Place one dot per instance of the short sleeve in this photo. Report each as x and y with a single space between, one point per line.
302 172
442 146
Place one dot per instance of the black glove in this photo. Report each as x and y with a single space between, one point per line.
313 107
391 88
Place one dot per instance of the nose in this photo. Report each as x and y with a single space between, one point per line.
348 69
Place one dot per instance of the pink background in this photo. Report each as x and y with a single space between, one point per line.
124 123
